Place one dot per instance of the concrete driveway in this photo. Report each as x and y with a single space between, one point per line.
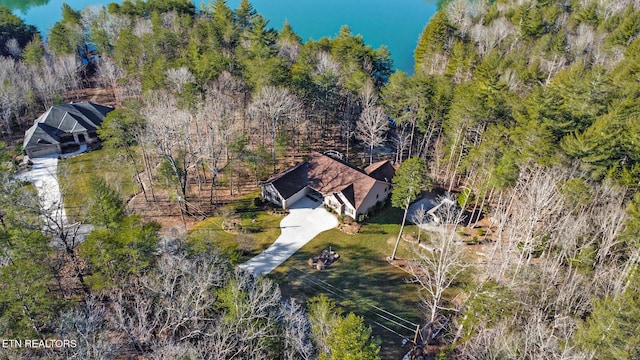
43 175
306 219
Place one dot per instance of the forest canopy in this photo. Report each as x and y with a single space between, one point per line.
524 113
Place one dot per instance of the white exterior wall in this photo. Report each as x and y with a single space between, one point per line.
348 209
270 193
332 202
295 197
382 190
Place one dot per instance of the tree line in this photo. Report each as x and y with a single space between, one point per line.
527 108
126 291
216 96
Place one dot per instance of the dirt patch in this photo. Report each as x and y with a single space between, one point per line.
67 283
349 228
166 210
92 93
232 225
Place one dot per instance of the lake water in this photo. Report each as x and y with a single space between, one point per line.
394 23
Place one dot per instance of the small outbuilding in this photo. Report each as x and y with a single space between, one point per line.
63 127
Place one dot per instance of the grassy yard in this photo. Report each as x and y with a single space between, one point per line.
257 231
361 281
74 174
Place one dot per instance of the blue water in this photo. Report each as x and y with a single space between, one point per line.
394 23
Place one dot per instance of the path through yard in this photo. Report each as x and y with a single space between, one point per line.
306 219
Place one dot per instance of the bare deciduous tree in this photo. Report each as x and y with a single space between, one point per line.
371 127
68 70
255 306
488 37
402 140
271 107
85 324
13 48
419 217
183 291
297 342
179 77
435 271
12 94
326 64
223 116
97 19
109 74
347 127
174 132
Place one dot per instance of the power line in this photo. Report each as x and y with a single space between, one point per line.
344 296
390 330
344 293
394 315
395 322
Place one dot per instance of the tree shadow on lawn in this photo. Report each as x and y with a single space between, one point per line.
388 215
369 278
361 281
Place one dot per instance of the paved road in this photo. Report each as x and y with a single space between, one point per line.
44 176
305 221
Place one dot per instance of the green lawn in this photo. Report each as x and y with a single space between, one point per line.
361 281
74 174
259 230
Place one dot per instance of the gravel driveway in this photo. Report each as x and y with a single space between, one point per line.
306 219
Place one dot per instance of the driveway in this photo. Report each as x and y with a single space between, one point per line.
306 219
43 176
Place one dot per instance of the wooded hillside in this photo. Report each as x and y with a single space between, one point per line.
532 107
527 110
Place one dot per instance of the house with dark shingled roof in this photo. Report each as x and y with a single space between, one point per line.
64 126
342 187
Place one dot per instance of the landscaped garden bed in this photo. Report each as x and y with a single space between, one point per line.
324 259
